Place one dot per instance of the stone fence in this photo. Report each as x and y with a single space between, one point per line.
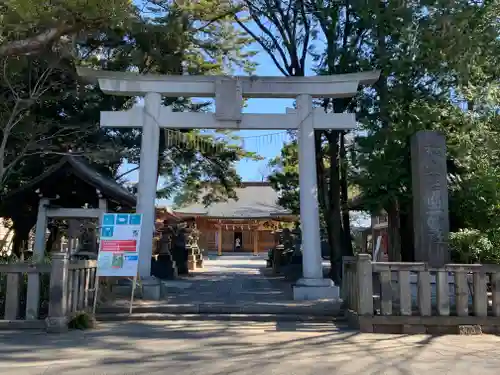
391 297
45 295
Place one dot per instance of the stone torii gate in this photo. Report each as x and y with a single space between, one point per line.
229 93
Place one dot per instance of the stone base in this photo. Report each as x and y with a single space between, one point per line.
56 325
151 289
315 289
191 265
126 290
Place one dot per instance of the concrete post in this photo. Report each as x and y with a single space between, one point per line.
148 179
103 205
309 212
57 321
312 286
365 284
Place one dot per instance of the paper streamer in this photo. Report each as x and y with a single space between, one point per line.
205 142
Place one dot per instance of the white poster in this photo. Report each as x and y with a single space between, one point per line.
119 245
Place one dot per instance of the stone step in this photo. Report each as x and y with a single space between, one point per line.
313 309
222 317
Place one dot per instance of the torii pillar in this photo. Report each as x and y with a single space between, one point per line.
229 93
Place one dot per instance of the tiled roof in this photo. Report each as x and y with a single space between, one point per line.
84 170
255 200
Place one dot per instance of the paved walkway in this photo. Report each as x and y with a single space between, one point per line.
238 284
230 279
220 348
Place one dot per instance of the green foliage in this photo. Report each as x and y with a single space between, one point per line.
285 177
475 196
82 320
438 72
196 38
32 26
47 112
472 246
429 55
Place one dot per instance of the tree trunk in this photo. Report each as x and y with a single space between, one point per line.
346 223
393 232
334 207
406 221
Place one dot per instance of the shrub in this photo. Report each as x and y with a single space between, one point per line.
473 246
82 320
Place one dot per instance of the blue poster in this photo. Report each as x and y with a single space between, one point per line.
108 219
135 219
122 219
107 231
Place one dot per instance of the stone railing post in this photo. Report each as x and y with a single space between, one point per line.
57 321
365 284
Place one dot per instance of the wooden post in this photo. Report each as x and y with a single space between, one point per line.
255 242
219 241
57 321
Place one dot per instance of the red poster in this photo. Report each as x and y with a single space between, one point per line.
119 245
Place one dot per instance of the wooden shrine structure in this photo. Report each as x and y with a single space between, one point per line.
243 225
72 190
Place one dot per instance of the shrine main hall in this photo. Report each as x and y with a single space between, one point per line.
243 225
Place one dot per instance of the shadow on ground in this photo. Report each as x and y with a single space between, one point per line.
219 348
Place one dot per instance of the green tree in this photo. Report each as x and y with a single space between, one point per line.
429 60
285 176
430 56
290 30
53 105
196 38
32 26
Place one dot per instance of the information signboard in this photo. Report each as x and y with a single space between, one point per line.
119 245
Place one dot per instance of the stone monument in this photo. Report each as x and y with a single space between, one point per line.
430 198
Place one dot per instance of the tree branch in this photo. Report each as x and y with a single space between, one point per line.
35 43
126 173
264 46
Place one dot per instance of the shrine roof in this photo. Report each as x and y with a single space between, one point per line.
82 169
256 200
